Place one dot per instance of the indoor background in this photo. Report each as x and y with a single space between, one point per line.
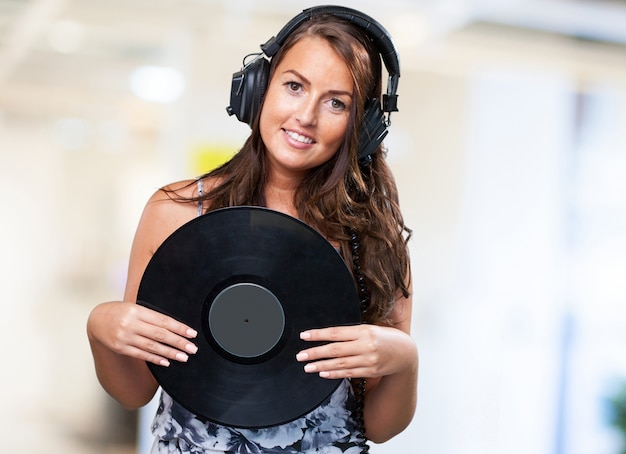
509 152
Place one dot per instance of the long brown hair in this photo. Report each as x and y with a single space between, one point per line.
339 197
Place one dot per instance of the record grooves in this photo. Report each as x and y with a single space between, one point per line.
249 280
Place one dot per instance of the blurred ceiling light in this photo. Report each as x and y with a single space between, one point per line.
157 84
66 36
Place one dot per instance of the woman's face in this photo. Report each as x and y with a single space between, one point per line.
307 108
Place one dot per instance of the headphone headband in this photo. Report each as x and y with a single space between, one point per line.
374 30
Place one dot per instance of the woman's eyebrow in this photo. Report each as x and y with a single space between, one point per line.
308 82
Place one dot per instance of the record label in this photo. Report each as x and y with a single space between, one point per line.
246 320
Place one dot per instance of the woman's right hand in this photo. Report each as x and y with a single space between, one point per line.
139 332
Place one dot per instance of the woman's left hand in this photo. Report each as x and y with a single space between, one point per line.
357 351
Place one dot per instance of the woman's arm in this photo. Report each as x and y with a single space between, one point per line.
124 335
391 400
387 355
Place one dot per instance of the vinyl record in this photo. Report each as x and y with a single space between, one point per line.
249 280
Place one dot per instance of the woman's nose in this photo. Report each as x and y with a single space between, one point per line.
307 112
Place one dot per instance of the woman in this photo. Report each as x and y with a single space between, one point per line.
301 159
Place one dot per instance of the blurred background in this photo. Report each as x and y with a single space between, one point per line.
509 152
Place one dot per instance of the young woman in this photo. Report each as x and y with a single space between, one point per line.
300 159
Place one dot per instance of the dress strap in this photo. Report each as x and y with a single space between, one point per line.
200 193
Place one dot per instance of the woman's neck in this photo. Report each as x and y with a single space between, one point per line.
279 193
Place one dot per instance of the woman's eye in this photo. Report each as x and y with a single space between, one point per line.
337 104
293 86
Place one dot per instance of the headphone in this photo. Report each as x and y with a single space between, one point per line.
250 83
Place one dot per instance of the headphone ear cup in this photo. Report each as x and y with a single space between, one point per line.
373 131
248 89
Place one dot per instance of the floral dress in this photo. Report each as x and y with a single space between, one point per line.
328 429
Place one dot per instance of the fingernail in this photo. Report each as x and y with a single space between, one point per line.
302 356
191 348
309 368
164 363
324 374
192 333
305 335
181 357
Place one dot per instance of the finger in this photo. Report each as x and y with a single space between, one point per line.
330 350
365 360
165 330
340 360
157 336
332 334
166 322
151 350
341 341
148 357
348 368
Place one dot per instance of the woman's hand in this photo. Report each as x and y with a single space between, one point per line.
357 351
139 332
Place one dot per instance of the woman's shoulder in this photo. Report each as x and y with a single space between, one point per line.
173 197
183 192
167 209
176 203
188 189
178 190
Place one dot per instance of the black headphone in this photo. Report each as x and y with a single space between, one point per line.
249 85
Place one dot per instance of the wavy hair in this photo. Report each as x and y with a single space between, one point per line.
340 197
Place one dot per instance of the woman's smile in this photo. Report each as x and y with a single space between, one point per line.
299 137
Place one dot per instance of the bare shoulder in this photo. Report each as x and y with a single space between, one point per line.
167 209
170 207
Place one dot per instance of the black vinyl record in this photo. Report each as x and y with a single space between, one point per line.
249 280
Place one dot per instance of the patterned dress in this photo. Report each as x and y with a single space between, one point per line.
328 429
